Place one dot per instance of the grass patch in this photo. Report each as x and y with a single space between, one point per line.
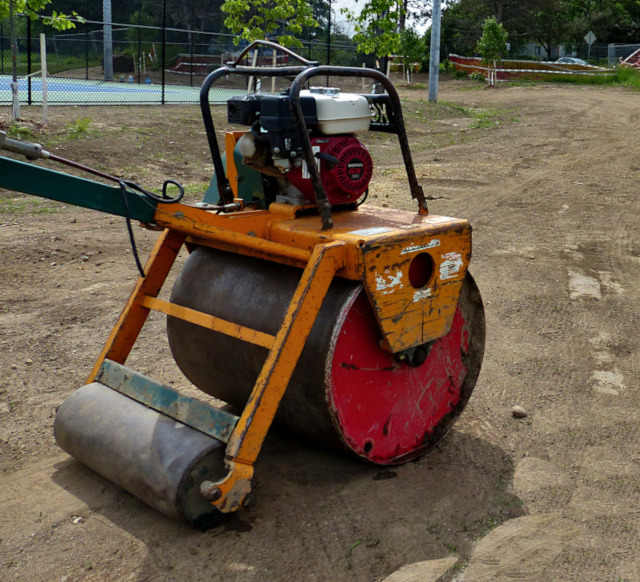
415 86
628 77
55 63
465 111
19 204
624 76
19 131
80 128
424 111
484 120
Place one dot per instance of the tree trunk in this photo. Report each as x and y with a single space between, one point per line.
498 9
402 21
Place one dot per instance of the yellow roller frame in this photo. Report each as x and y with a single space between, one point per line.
375 246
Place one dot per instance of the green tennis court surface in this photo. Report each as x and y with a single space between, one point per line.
80 92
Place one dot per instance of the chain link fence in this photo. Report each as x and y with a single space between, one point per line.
606 55
151 56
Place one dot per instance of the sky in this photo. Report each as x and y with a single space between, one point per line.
354 6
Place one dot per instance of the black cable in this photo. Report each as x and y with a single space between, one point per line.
127 214
363 198
164 198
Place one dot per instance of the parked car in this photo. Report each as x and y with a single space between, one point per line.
571 61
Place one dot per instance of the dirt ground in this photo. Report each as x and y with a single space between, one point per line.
548 176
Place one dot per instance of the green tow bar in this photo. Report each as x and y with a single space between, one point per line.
38 181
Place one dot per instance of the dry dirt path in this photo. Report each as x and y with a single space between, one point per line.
552 195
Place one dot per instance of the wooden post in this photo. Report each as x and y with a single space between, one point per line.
43 73
275 64
252 78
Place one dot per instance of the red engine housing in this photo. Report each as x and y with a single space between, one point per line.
344 180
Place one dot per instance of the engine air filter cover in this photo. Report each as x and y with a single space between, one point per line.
350 177
345 167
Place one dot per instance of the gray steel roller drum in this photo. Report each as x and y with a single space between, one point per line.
256 294
156 458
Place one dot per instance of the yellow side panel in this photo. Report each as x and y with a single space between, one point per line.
413 314
381 246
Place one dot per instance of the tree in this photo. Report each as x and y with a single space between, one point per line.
257 19
610 20
412 48
547 22
377 26
551 24
414 11
32 8
492 45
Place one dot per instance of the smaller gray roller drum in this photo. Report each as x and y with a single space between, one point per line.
156 458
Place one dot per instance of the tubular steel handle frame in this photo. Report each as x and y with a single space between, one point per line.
277 47
303 74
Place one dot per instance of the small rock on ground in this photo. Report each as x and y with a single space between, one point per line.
519 412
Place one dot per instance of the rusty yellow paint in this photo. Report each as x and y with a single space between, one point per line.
134 314
258 252
247 230
246 334
380 247
230 140
248 436
410 315
235 487
246 440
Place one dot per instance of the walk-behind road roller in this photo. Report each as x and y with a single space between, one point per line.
357 326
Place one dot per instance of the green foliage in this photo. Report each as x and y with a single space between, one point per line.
547 22
258 19
551 23
628 76
493 42
376 27
57 20
20 131
78 128
624 76
412 47
147 36
484 120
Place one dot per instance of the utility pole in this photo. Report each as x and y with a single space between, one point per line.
15 101
107 40
434 60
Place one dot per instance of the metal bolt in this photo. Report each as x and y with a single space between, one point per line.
209 491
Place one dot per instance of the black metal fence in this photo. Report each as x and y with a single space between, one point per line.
146 62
